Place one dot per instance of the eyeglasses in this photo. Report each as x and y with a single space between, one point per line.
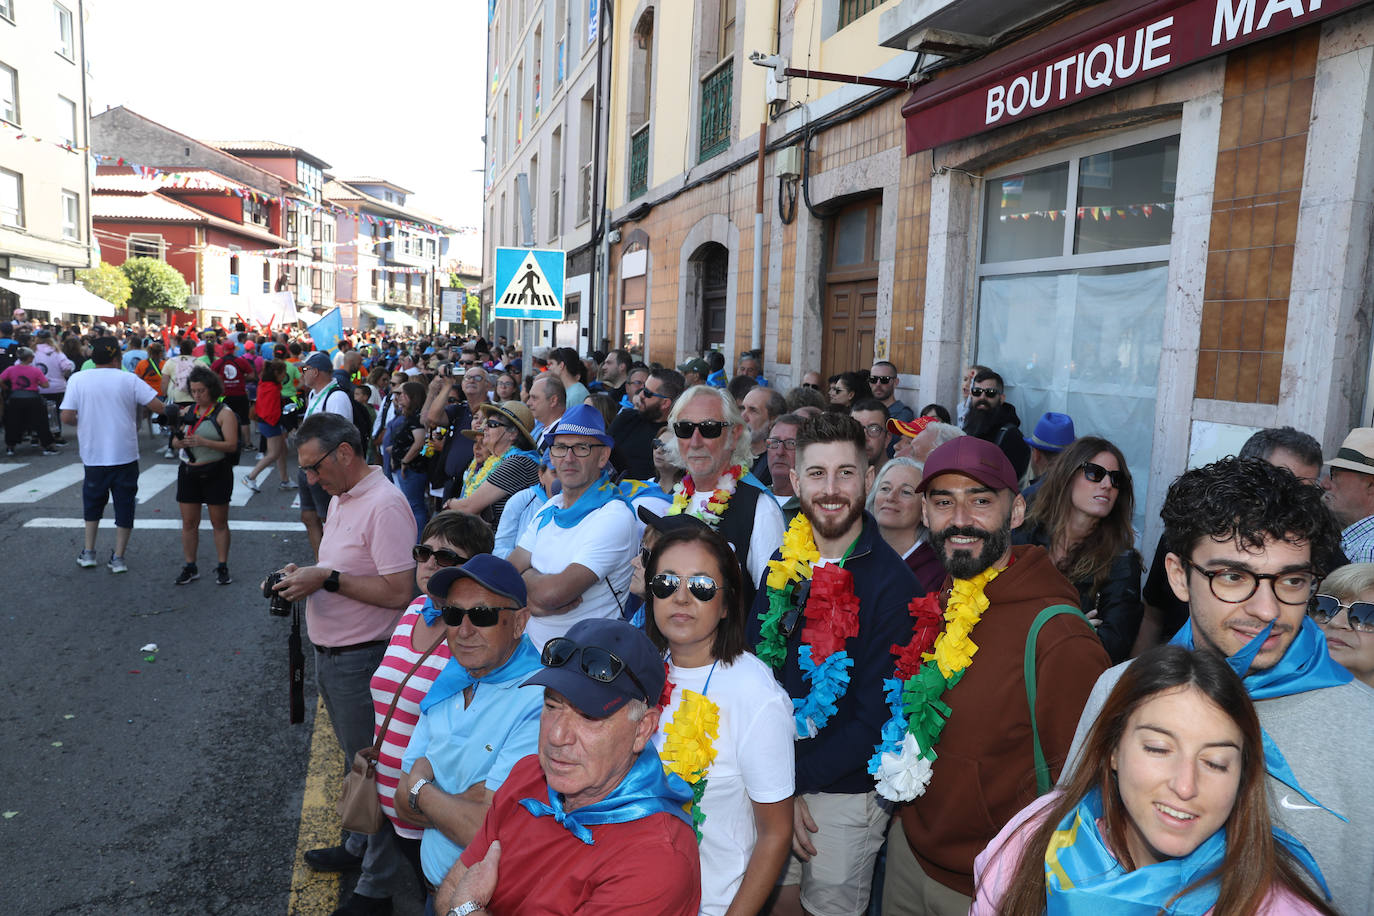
874 430
1095 473
601 665
580 449
664 585
1236 585
774 444
481 616
657 444
812 385
881 379
497 424
466 363
442 556
651 393
709 429
984 392
1324 609
315 468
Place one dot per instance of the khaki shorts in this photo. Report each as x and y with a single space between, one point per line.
839 878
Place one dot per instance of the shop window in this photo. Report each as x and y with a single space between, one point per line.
1072 281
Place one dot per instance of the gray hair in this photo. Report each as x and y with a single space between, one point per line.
743 453
901 462
636 710
1347 582
944 432
331 431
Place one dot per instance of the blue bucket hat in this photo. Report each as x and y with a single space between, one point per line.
582 420
575 676
1053 433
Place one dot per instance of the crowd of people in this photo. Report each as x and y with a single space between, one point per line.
653 639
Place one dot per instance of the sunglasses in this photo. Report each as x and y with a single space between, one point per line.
664 585
657 444
709 429
644 556
441 555
651 393
793 616
481 616
881 379
601 665
497 424
812 385
1095 473
984 392
1324 609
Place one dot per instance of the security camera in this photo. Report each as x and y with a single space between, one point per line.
771 61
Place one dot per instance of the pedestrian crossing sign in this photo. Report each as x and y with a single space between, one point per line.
529 284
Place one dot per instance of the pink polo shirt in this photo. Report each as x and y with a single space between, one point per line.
368 532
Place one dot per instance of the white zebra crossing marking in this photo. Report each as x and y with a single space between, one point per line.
44 485
242 494
165 524
12 467
154 480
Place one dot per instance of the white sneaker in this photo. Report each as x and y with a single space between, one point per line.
86 559
250 483
168 453
117 564
287 485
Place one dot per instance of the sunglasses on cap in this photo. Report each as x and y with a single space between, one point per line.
598 664
1095 473
709 429
1324 609
441 555
481 616
984 392
664 585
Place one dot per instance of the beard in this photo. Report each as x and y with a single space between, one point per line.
964 564
825 527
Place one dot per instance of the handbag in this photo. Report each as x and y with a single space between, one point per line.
359 807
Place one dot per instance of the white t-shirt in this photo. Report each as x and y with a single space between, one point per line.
336 401
605 542
106 402
766 536
754 763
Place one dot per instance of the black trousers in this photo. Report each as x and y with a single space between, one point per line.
26 414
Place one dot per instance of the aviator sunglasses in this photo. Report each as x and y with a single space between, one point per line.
709 429
1324 609
601 665
665 585
1095 473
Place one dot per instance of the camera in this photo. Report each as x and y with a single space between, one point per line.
278 606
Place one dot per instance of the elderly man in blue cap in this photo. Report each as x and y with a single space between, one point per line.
1053 433
575 555
478 720
593 823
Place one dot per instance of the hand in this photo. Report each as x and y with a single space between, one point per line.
300 582
1093 618
477 883
802 828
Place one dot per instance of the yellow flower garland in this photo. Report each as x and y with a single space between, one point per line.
799 554
954 650
470 485
687 747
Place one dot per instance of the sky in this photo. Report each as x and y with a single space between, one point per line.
389 90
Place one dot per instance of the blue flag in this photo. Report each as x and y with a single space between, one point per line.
327 331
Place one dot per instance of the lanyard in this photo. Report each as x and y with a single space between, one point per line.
318 402
201 419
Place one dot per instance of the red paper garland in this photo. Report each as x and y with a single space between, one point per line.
832 611
930 618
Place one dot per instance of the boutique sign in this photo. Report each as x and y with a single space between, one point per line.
1108 46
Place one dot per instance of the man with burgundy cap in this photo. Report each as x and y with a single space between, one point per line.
592 823
1349 486
985 754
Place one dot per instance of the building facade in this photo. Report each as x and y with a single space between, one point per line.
45 218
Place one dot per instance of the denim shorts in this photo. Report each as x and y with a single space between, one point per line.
104 481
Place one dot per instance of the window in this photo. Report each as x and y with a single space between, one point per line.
7 10
71 216
851 10
1086 239
266 277
11 198
65 44
9 94
555 183
145 246
66 120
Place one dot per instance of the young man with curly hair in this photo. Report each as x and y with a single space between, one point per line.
1247 547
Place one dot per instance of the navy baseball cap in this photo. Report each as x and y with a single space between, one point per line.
492 573
595 649
666 524
319 360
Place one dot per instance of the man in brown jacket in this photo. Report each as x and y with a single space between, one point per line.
984 771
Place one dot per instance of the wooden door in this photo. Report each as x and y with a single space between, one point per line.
851 287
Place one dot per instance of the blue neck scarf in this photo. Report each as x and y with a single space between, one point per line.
646 790
594 497
429 611
1305 666
454 679
1084 878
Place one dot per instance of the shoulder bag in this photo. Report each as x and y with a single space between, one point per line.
1042 767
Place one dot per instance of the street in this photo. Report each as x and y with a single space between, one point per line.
166 781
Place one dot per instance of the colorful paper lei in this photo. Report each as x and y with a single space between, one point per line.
930 664
471 483
716 505
832 616
687 748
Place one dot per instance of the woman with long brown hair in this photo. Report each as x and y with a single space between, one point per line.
1166 812
1082 516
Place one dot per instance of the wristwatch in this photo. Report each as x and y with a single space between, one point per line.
463 909
414 795
332 583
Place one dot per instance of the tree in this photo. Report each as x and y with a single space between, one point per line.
156 285
108 282
472 312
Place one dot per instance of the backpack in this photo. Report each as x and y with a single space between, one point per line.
361 418
230 458
9 355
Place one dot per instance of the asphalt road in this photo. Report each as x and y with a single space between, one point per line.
159 782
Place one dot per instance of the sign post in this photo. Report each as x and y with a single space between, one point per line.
529 286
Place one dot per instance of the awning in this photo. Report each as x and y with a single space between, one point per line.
389 317
262 309
65 298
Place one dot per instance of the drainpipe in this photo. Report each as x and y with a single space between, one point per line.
756 303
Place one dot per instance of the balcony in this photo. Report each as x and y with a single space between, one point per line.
639 161
717 91
584 195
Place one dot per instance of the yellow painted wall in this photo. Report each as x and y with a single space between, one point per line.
853 49
672 110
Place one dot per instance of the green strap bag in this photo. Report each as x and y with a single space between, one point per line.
1042 769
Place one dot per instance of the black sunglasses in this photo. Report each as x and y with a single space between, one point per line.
441 555
812 385
1361 613
709 429
481 616
657 444
601 665
664 585
881 379
497 424
793 616
1095 473
984 392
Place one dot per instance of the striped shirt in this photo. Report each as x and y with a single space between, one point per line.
399 659
1357 541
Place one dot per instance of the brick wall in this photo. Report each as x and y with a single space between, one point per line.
909 275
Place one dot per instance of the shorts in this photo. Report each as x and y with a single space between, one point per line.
104 481
839 878
269 430
211 484
313 496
